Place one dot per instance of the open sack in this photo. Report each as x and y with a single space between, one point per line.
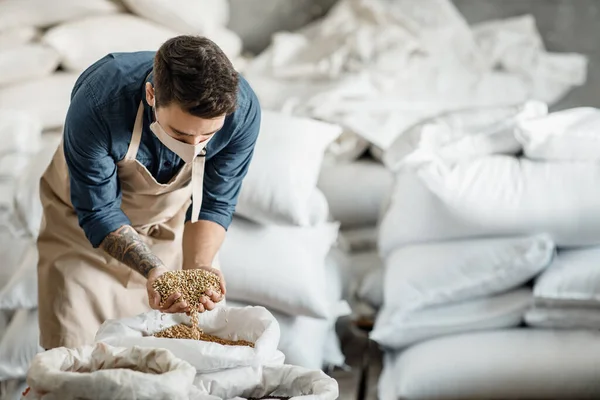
254 324
106 372
273 380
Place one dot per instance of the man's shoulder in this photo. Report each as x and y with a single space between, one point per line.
114 75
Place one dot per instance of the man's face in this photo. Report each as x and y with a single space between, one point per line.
181 125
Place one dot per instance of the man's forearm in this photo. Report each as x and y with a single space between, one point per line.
125 245
201 242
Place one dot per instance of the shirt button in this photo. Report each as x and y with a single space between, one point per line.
167 164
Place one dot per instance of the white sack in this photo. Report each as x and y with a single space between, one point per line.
496 195
427 275
29 61
85 41
19 345
254 324
12 249
311 342
43 13
20 132
27 195
572 279
198 17
553 317
462 135
21 290
512 43
570 135
13 165
285 169
105 372
508 364
355 191
17 36
371 288
279 267
347 147
302 339
395 330
46 99
279 380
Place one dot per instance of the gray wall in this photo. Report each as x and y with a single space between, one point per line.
566 25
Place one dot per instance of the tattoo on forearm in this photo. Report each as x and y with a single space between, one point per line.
125 245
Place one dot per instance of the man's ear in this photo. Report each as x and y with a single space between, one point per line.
150 98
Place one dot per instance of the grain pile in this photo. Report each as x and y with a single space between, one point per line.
191 284
192 331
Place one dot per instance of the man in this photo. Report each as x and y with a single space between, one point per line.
154 151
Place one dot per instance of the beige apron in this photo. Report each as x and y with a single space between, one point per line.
79 286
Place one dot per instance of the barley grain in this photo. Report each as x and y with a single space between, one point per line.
192 284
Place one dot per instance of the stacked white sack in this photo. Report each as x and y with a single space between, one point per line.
539 364
566 295
377 68
19 340
275 251
442 288
20 137
429 288
36 36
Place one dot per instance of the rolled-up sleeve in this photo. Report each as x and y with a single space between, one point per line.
95 189
225 171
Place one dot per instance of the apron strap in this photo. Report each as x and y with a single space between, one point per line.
136 136
197 184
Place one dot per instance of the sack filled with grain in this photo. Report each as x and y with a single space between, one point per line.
226 337
105 372
269 382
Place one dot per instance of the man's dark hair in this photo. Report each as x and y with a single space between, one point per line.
194 72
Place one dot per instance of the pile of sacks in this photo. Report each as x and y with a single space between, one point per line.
279 251
127 361
26 152
468 226
46 44
380 69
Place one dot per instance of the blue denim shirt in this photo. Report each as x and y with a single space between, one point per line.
98 129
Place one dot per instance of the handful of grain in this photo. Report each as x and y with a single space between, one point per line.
190 283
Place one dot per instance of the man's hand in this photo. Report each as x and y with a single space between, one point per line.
171 305
209 302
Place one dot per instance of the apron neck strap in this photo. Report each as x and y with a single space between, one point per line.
136 136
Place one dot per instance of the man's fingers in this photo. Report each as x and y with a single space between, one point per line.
171 300
209 305
201 308
177 308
